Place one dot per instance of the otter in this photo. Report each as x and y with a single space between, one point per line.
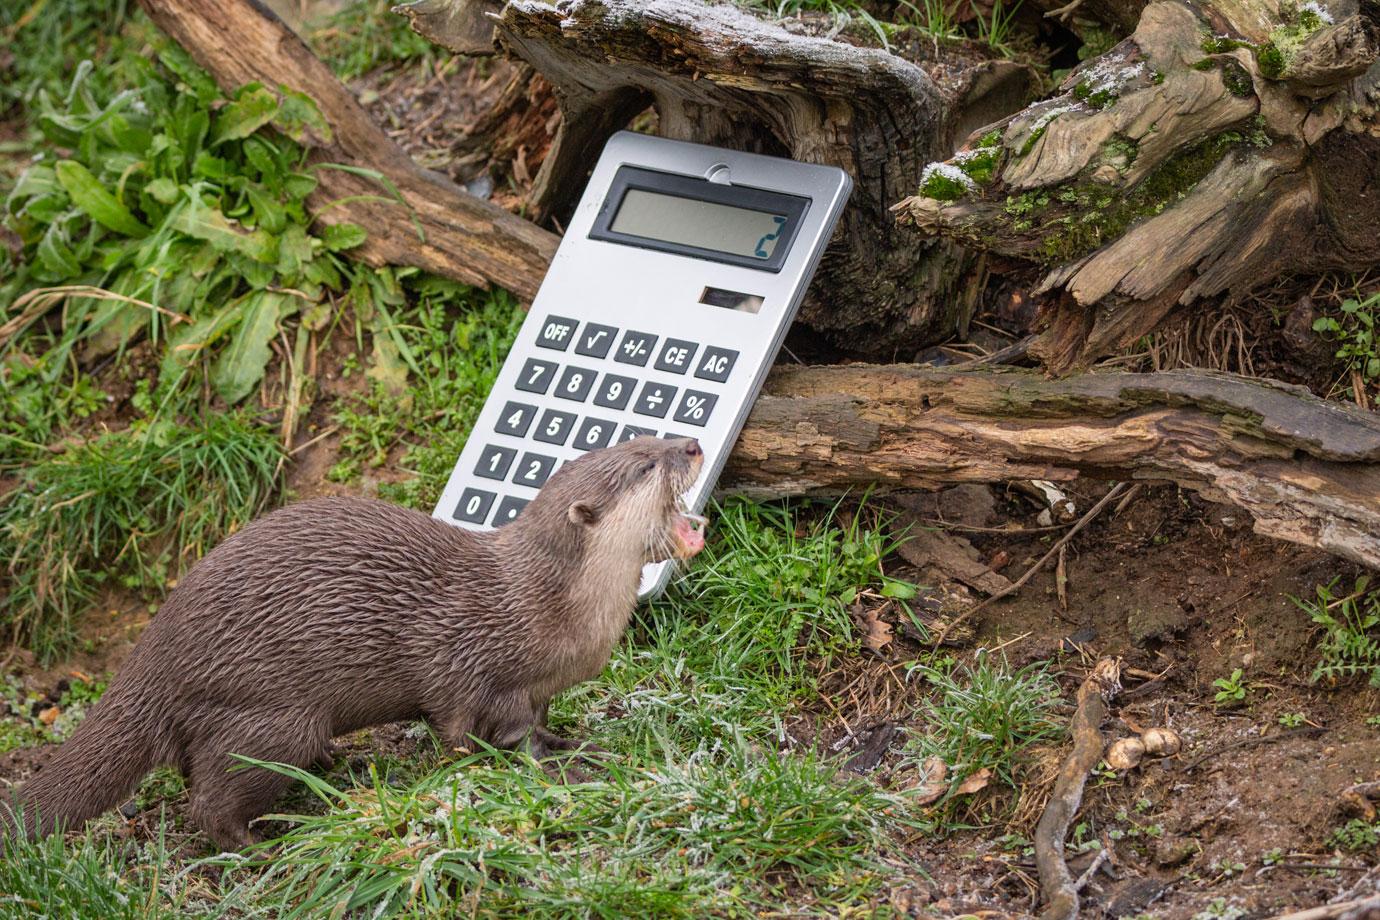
336 614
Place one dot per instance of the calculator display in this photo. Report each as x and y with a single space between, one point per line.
692 216
702 224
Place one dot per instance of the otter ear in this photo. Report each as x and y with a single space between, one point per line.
582 513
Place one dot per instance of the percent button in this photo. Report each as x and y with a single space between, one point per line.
695 407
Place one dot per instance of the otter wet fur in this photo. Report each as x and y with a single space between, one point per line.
336 614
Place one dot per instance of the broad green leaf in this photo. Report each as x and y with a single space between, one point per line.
203 222
386 364
255 106
55 256
271 215
299 185
903 590
339 237
104 208
113 324
162 190
241 365
300 118
206 166
294 251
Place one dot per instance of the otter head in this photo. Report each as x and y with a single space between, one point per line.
623 504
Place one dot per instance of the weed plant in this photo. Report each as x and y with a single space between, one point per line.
1350 646
366 34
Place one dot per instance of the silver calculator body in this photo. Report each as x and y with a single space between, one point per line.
660 314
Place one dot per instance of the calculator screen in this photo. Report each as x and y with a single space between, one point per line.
691 216
703 224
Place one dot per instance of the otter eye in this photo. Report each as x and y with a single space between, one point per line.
647 468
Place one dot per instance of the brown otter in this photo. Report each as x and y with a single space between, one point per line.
336 614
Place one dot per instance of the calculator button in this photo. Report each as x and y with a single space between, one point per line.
474 506
575 383
594 433
675 356
632 431
494 462
508 510
715 364
695 407
515 419
615 391
554 427
595 340
557 332
655 399
534 469
536 376
635 348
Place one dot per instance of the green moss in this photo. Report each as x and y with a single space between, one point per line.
1237 81
1120 152
1271 60
1081 216
1205 64
1100 99
1030 141
980 165
990 139
1221 44
942 188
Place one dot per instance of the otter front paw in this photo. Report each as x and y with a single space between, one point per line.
543 743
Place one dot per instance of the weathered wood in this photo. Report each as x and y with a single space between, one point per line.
436 226
1217 148
1307 471
717 75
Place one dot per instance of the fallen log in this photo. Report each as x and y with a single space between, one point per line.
1307 471
436 226
715 74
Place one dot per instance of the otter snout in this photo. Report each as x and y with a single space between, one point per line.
688 529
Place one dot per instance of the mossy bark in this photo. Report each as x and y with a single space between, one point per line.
1220 146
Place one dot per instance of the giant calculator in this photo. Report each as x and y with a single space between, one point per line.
661 313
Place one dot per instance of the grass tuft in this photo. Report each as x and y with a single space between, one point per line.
137 505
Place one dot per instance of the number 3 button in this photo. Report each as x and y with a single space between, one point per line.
695 407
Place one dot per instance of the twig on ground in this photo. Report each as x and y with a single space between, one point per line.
1060 891
1329 911
1251 742
1016 585
1089 872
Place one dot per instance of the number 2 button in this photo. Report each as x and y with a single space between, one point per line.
534 469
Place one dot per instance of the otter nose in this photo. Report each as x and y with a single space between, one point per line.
692 448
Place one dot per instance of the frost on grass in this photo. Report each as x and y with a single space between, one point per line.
945 182
1102 83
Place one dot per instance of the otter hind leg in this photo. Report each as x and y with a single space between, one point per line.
227 794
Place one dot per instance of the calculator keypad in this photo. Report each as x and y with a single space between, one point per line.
585 382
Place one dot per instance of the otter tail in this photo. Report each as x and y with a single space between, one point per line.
91 772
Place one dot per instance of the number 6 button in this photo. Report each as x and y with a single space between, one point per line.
594 432
695 407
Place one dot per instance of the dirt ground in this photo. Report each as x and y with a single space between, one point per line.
1177 588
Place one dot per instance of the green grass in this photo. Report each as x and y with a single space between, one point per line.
365 35
19 722
494 834
452 339
134 507
985 716
48 38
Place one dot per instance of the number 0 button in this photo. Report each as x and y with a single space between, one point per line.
695 407
534 469
474 506
557 332
715 364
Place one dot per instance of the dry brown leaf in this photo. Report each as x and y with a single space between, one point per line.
876 632
932 785
976 782
49 715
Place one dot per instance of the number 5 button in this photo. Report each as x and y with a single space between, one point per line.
695 407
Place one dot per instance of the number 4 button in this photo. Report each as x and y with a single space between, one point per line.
695 407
